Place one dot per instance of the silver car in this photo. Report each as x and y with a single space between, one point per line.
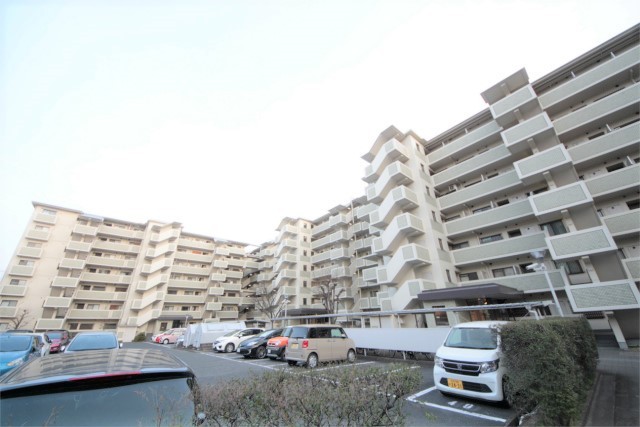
92 341
311 344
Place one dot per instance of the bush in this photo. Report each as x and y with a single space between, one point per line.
140 336
347 397
551 367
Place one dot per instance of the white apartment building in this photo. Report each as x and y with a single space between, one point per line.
547 177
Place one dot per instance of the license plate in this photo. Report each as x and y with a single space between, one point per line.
270 351
455 384
295 345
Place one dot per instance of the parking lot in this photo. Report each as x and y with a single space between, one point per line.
426 407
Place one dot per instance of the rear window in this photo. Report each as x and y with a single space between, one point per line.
93 342
299 332
14 343
166 402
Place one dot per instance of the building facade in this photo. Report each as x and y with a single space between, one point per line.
535 198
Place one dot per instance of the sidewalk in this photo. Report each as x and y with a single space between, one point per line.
616 392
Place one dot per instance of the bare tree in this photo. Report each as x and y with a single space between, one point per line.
330 295
268 302
20 320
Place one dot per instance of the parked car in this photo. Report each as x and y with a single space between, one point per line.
170 336
277 346
229 341
468 362
16 349
84 341
43 341
59 338
256 346
311 344
127 387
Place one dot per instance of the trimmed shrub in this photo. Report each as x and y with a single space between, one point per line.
140 336
346 397
551 367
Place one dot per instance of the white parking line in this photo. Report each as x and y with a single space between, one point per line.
244 361
413 397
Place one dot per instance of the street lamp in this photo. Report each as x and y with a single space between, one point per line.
186 320
539 266
286 303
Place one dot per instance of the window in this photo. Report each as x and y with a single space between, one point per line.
502 202
482 209
48 212
115 307
18 282
554 228
109 326
93 307
434 216
80 306
172 292
448 275
460 245
304 301
514 233
615 167
440 243
451 218
26 262
86 326
503 272
441 316
489 239
465 277
121 289
573 267
99 288
9 303
633 204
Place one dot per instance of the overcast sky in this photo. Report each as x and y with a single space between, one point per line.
227 116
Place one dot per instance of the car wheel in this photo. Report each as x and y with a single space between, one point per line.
351 356
246 356
312 361
228 348
283 354
261 352
292 362
166 341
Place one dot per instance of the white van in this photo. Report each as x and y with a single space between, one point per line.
468 362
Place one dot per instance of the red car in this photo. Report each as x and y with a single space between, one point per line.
58 339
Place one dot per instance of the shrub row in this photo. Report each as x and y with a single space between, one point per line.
551 367
347 397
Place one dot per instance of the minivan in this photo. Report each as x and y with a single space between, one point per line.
311 344
468 362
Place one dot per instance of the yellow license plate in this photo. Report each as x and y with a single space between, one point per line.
455 384
294 346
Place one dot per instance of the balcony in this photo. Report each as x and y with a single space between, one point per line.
22 270
45 218
615 295
41 235
613 107
216 291
405 294
196 244
72 264
116 247
111 262
510 213
360 263
85 230
340 254
523 99
359 229
363 244
617 182
537 128
623 224
232 274
407 257
139 304
484 190
9 312
473 166
399 199
227 314
179 314
569 196
13 291
286 245
362 213
143 286
170 234
185 269
100 296
236 287
159 265
213 306
65 282
120 232
49 324
340 272
199 258
57 302
394 175
391 151
464 145
632 265
528 283
338 236
184 299
27 252
106 278
74 246
94 314
283 261
401 227
620 142
531 169
581 243
323 273
230 300
218 277
613 69
284 276
321 257
508 248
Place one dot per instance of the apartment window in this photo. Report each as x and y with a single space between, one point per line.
465 277
489 239
440 243
440 316
514 233
100 288
26 262
304 253
48 212
18 282
304 268
34 245
80 306
86 326
554 228
503 272
109 326
73 326
540 190
115 307
9 303
524 270
572 267
93 307
304 284
41 228
434 216
482 209
304 239
615 167
502 202
448 275
184 308
86 287
451 218
460 245
188 292
633 204
304 301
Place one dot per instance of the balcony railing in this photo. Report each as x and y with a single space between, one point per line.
503 110
473 166
621 140
85 230
484 190
49 324
569 196
57 302
41 235
390 151
512 212
632 265
394 175
27 252
623 224
615 295
515 246
402 226
120 232
620 181
581 243
537 128
94 314
399 199
13 290
72 264
78 246
530 169
466 144
65 282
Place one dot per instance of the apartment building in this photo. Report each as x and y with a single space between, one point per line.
537 193
83 272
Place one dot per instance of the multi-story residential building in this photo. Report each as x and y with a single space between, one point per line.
535 198
80 272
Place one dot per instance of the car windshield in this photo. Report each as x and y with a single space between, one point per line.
54 335
230 333
93 342
474 338
14 343
269 334
167 402
287 332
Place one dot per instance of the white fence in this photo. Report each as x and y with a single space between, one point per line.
418 340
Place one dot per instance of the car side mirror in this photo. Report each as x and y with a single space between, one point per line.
63 348
120 345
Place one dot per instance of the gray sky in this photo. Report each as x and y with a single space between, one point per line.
227 116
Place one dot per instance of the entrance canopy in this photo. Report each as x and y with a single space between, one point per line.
485 290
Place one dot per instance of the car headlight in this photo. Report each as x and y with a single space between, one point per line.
491 366
438 361
16 362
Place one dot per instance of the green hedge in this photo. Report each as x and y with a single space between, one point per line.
551 367
346 396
